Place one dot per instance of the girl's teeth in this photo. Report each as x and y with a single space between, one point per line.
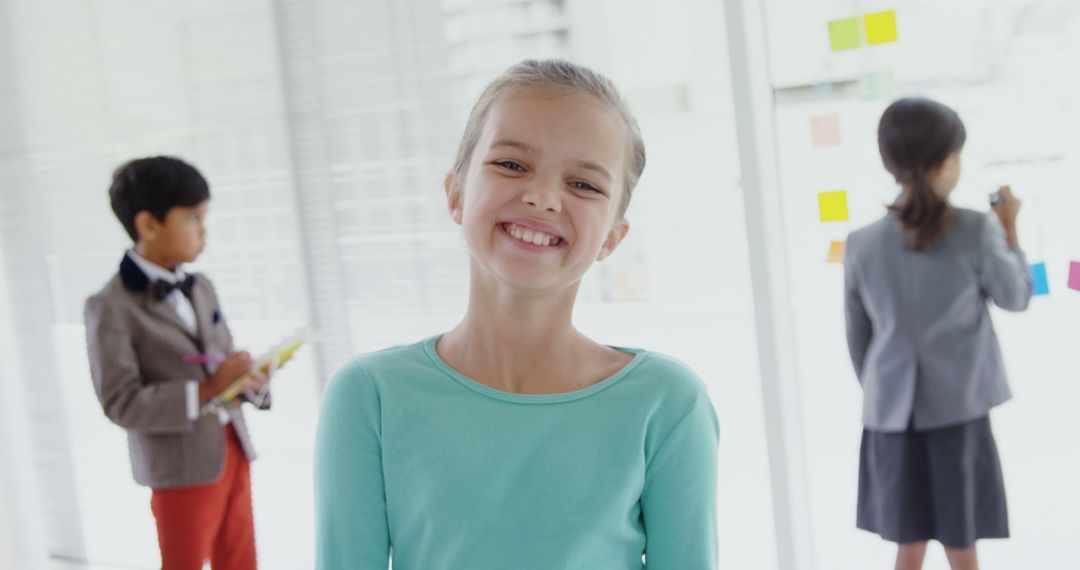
531 236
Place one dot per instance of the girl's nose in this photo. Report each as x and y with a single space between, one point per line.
543 196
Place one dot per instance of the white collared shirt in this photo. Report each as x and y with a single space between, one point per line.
176 298
186 311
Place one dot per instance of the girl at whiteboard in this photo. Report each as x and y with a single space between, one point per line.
513 440
917 287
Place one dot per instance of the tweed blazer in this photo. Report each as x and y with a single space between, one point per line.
136 347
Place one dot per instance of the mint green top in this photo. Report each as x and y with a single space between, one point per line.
415 459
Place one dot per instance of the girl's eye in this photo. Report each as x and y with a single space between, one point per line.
510 165
585 186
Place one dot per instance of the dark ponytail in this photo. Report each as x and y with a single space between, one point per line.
915 136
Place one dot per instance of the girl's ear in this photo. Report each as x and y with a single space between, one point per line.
452 185
950 162
943 177
614 238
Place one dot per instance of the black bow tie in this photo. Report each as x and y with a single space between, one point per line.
161 289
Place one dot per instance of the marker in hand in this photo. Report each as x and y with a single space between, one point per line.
1006 206
1003 196
204 358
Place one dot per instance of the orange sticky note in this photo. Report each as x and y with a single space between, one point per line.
825 130
833 206
836 252
880 27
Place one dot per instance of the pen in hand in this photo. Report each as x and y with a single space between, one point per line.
204 358
1006 206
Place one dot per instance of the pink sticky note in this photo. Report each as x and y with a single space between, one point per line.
1074 275
825 130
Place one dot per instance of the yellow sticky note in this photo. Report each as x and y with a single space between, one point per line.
880 27
825 130
833 206
844 34
836 252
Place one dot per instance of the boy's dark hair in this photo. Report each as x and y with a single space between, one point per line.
156 184
915 136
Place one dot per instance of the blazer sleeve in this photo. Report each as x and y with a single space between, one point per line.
1004 276
157 408
856 319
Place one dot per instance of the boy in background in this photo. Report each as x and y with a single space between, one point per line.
159 351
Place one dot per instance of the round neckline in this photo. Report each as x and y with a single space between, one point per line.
557 398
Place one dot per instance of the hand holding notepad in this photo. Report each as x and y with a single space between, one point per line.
266 364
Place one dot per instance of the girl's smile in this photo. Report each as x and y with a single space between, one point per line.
532 236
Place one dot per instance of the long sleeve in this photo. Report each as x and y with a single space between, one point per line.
857 321
1004 276
678 502
351 532
158 408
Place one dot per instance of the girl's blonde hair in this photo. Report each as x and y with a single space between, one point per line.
559 74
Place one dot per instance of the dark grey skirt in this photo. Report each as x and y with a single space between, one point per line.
942 484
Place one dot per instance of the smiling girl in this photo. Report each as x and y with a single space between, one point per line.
513 441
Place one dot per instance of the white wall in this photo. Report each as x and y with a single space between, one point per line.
22 543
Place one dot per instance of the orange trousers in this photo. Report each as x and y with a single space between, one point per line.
209 522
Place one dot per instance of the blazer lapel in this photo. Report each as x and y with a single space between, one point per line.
137 282
203 311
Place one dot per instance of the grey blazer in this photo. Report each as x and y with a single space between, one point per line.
136 346
918 323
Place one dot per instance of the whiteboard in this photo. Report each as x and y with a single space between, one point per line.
954 40
1009 69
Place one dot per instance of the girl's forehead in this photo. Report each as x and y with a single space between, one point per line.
579 120
525 102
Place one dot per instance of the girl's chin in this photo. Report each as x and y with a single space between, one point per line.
533 281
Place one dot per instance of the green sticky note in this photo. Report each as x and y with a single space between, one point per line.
878 85
844 34
832 206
